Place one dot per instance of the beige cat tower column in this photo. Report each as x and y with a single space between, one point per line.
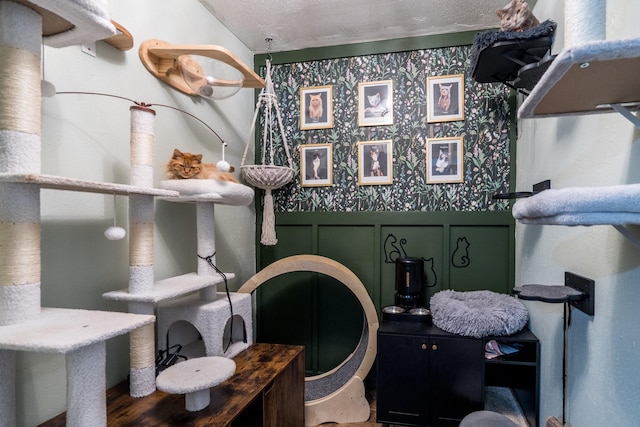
25 326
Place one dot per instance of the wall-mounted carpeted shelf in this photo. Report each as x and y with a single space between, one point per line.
616 205
170 288
594 77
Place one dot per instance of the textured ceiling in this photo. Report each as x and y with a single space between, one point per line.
300 24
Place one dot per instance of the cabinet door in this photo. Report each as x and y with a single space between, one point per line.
455 378
402 383
284 398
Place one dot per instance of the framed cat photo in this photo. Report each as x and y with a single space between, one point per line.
444 160
445 98
375 103
316 165
375 162
316 107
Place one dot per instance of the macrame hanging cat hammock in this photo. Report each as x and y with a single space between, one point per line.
268 176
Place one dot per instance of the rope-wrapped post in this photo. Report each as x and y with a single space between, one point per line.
141 224
142 354
20 147
585 21
141 207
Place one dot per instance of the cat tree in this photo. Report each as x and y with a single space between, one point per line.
24 325
81 334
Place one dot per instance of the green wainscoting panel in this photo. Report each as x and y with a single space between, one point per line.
461 251
480 258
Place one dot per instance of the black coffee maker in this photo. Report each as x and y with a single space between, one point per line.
409 281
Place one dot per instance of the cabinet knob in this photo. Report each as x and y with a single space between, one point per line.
434 346
424 346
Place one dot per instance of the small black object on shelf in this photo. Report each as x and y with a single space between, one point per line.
541 186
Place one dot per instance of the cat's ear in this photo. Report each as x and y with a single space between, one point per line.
198 157
176 152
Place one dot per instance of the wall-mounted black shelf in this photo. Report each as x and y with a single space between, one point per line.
515 58
578 291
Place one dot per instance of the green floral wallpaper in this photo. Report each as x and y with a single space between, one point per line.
485 132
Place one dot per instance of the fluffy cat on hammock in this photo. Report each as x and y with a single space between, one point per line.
516 16
190 166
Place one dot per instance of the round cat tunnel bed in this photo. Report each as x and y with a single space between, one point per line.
338 395
478 314
210 190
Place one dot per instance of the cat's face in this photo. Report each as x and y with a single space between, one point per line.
374 153
445 90
374 100
315 100
443 160
184 165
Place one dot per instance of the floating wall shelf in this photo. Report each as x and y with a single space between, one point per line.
595 77
160 58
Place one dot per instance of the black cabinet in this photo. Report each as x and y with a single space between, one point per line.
427 377
520 372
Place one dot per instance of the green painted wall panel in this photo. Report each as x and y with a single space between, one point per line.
480 258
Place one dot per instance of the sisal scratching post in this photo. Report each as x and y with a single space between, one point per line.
585 21
86 390
142 356
141 223
20 122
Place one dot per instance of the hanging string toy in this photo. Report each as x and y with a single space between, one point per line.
114 232
268 176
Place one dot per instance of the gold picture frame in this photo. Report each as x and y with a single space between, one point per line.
375 162
445 160
375 103
445 98
316 107
316 165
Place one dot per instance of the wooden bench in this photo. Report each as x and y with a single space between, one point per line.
266 390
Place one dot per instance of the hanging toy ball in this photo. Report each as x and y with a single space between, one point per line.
223 166
115 233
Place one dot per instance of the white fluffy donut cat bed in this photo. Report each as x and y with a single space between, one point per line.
478 313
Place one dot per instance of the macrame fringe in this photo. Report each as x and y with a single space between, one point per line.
268 221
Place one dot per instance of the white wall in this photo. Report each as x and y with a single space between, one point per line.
87 137
603 378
